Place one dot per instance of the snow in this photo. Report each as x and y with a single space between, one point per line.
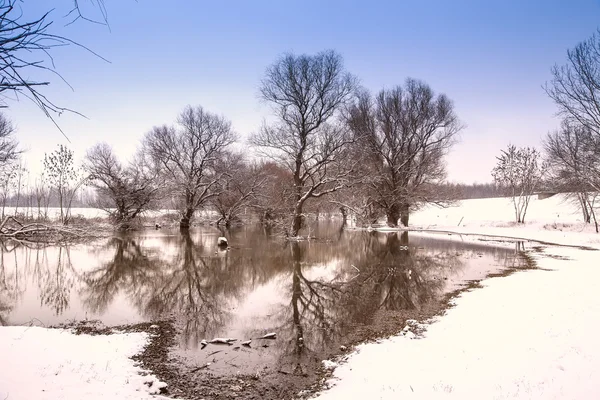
531 335
556 219
40 363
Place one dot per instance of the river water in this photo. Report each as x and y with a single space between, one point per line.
311 294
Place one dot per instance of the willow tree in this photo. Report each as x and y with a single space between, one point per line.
404 132
307 94
189 154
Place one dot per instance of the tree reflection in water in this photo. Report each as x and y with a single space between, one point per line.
9 286
55 281
49 266
387 273
397 276
130 270
311 294
197 287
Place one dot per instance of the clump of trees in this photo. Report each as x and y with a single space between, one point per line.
329 146
403 134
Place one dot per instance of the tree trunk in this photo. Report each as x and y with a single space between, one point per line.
297 298
296 224
404 213
587 217
344 215
393 214
186 219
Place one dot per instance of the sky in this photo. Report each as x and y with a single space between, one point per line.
491 58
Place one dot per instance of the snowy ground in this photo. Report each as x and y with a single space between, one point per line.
556 219
39 363
531 335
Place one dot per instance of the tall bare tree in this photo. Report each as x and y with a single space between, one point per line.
188 153
521 170
405 133
307 94
575 86
124 190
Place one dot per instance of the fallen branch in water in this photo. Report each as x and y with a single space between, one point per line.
41 233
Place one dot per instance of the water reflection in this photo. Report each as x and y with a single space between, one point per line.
311 293
397 276
129 271
196 286
382 272
55 278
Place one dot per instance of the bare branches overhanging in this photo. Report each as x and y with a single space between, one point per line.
26 47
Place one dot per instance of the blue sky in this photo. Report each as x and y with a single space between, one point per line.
490 57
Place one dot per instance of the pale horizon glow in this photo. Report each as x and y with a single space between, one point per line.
491 59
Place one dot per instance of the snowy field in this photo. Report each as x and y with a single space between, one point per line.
531 335
556 219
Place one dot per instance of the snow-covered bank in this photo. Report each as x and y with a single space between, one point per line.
556 219
531 335
39 363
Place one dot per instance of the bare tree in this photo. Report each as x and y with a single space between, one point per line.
239 187
573 158
307 93
575 87
64 178
123 191
42 196
405 133
574 151
521 170
19 184
188 154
